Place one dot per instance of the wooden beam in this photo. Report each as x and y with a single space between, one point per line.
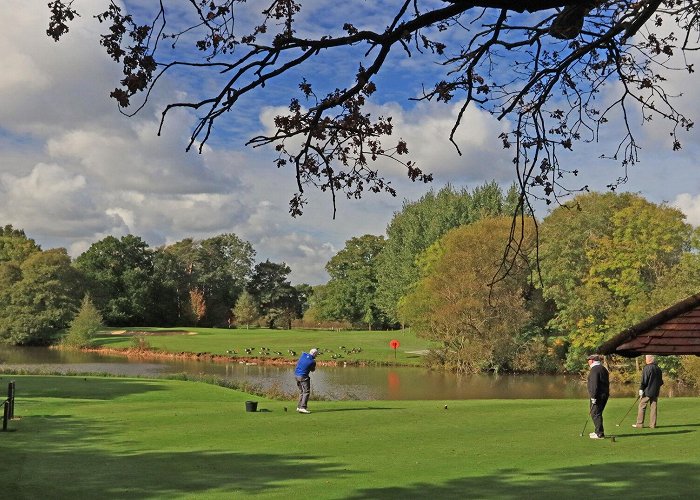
672 334
680 342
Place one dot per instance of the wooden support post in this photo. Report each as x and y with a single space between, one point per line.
5 414
11 399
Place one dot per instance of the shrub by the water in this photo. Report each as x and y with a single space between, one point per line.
84 326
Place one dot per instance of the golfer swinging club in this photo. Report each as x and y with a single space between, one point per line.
305 365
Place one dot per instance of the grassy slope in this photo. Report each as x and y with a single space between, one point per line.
375 345
137 438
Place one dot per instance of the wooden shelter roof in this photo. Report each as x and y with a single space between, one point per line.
675 330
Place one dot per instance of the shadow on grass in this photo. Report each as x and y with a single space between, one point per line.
78 387
650 434
614 480
367 408
66 458
646 429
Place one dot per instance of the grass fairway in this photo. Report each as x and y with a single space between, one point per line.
375 345
138 438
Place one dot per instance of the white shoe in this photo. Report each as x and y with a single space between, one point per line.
303 410
593 435
638 426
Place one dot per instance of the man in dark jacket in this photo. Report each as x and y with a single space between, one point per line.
599 391
652 380
305 365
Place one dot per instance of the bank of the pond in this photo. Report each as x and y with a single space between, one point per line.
157 354
139 438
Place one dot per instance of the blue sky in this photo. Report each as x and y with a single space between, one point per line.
74 170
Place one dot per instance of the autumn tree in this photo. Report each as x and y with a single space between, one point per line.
603 260
542 65
455 302
198 305
420 223
678 283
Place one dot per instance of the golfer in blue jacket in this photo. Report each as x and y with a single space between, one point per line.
305 365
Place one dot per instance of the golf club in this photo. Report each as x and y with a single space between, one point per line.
585 424
628 412
590 408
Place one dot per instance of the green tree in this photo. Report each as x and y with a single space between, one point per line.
120 277
219 266
313 313
278 299
350 292
225 263
304 294
454 302
601 262
170 288
42 297
246 309
84 326
420 224
678 283
15 246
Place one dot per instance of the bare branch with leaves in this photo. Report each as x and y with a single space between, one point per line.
540 64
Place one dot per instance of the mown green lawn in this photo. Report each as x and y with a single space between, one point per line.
374 345
110 438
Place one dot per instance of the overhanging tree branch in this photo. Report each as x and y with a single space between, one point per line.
538 64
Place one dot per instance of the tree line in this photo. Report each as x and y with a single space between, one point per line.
574 279
191 282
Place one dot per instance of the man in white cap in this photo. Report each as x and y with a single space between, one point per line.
305 365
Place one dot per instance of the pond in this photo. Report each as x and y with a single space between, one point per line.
366 383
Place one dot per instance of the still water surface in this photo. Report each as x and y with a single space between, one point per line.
367 383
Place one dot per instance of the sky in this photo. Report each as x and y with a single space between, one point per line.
73 170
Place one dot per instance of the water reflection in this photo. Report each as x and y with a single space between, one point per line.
367 383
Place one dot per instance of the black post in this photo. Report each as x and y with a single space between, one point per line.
5 414
11 399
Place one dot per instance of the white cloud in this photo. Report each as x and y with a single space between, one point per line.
73 170
426 128
46 86
134 157
690 206
53 201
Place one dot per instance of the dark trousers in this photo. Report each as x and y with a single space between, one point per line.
304 385
597 414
